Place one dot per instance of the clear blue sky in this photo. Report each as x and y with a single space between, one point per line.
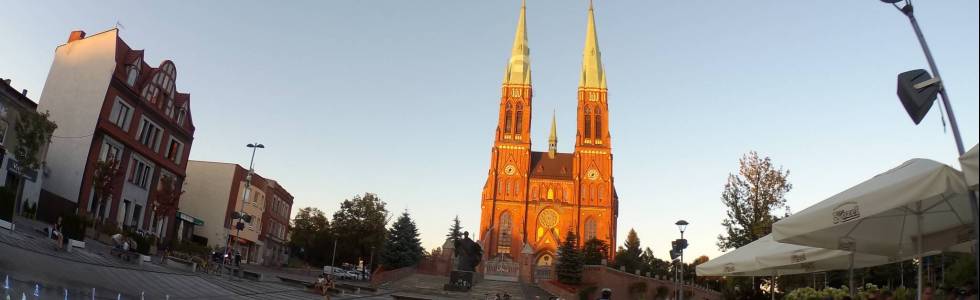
400 98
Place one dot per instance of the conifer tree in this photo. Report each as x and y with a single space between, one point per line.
569 268
402 245
455 230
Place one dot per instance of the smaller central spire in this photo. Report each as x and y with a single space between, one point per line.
519 66
553 138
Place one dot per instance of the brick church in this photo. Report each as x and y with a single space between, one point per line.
532 199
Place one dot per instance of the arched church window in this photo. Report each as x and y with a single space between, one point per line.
534 193
602 191
507 118
518 116
503 246
590 228
551 194
588 122
598 124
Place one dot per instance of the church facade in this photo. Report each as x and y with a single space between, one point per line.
532 199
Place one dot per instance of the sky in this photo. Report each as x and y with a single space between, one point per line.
400 98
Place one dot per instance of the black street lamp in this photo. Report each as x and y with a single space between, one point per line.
917 90
241 216
682 226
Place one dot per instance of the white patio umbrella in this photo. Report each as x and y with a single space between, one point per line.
767 257
969 162
887 214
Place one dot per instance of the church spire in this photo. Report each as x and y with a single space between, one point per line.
593 74
519 66
552 139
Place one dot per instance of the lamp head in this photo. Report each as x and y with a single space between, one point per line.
256 145
682 225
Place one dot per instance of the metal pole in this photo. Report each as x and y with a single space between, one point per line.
241 208
918 253
681 269
850 274
907 10
333 257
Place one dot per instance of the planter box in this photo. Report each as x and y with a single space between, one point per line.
76 243
6 225
145 258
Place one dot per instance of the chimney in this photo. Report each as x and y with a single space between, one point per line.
24 92
76 35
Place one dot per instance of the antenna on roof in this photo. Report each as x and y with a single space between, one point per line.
119 25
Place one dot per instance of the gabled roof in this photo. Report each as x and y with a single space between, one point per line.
559 167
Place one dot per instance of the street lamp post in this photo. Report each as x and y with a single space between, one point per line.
241 209
682 225
908 12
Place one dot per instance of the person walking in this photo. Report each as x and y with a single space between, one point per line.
57 231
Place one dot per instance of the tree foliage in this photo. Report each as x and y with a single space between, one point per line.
649 263
455 230
359 225
594 251
168 196
34 130
751 196
569 267
310 236
103 182
629 255
402 245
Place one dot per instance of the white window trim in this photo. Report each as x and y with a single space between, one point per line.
145 182
113 115
108 141
178 157
156 143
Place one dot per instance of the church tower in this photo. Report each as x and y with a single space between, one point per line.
505 191
593 157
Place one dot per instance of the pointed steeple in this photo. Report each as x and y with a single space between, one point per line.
593 74
519 66
552 139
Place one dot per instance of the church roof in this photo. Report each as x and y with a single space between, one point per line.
519 66
593 74
559 167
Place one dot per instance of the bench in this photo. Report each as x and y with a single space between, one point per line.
408 297
294 281
127 256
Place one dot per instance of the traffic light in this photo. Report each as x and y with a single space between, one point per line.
677 247
247 218
240 226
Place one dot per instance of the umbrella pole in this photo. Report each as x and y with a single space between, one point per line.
772 287
850 274
918 253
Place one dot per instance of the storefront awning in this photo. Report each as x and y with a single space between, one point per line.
190 219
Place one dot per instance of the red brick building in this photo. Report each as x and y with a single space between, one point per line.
275 224
532 199
110 104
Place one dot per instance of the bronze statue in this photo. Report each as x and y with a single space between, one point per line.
468 253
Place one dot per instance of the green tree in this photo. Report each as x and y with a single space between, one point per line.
402 245
650 263
751 196
309 236
594 251
629 255
455 230
34 131
359 226
569 267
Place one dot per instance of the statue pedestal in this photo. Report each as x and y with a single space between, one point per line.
459 281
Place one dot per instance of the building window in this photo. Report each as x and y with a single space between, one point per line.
137 212
181 115
590 229
140 173
503 246
121 114
3 131
174 150
598 124
507 119
534 193
132 73
518 116
168 108
149 134
551 194
588 122
110 151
